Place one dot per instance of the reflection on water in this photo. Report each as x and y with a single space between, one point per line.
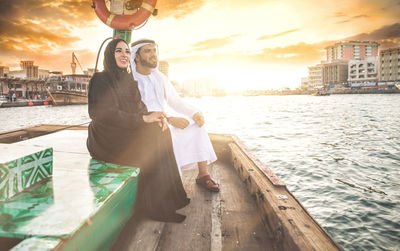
339 154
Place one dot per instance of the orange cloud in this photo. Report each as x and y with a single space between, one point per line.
214 43
265 37
177 8
296 54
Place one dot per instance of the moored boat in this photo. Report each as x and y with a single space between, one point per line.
253 211
69 89
320 94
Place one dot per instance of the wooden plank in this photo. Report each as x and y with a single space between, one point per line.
35 131
242 223
194 232
139 233
12 136
294 228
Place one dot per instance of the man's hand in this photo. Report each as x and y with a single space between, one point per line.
198 119
177 122
154 117
163 124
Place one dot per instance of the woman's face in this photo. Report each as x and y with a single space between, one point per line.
122 55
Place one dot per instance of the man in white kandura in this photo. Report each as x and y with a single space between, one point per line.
189 138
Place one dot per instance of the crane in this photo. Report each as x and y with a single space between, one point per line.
73 64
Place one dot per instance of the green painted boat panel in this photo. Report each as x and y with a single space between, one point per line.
40 211
83 198
36 243
99 231
22 167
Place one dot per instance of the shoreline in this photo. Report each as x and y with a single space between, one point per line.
22 103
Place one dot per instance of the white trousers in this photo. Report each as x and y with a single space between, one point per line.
191 145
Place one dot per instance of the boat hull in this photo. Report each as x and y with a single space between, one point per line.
68 97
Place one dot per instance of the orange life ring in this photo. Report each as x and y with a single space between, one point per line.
124 22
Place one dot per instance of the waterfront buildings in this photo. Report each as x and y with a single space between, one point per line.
23 88
304 83
349 62
163 66
351 50
4 70
315 77
29 71
363 71
200 87
89 72
389 70
334 73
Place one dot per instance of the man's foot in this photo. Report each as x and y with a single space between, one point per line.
207 183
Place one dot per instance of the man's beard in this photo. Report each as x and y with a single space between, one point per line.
147 63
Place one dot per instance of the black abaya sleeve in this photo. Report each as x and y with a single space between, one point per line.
104 105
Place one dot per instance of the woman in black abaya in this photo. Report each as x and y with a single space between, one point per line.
123 132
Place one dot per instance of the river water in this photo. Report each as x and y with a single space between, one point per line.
339 154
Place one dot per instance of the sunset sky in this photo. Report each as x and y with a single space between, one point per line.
256 44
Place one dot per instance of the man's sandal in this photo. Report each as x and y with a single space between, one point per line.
207 183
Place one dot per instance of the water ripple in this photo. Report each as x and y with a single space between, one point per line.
339 155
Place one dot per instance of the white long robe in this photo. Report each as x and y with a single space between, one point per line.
192 144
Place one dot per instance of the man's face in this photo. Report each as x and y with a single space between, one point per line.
147 56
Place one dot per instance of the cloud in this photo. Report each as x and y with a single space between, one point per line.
178 8
386 36
386 32
213 43
348 19
265 37
31 28
297 54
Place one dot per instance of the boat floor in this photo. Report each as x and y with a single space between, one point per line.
228 220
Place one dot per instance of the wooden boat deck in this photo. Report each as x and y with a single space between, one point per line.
253 211
229 220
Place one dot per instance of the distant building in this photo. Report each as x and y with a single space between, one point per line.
304 83
315 77
363 71
43 74
348 50
199 87
163 66
29 71
89 71
334 73
4 70
389 69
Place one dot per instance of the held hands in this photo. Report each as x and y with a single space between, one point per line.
198 119
177 122
159 117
